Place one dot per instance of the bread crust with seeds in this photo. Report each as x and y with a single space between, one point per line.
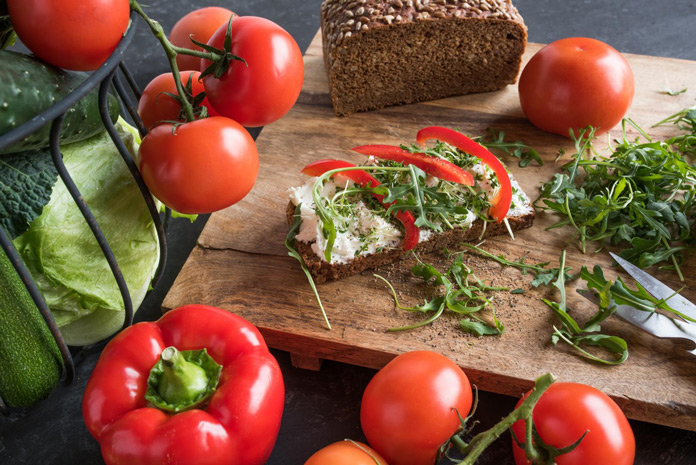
322 271
379 53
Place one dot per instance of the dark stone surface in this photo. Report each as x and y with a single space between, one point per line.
323 407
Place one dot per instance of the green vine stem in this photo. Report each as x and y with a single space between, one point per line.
172 51
482 440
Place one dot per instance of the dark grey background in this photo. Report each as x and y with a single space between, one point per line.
323 407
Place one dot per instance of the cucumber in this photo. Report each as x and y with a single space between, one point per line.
30 86
30 362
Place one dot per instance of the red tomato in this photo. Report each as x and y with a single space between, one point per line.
576 82
408 409
201 24
72 34
264 90
346 453
154 106
205 166
565 411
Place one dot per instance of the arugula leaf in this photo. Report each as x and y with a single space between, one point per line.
673 93
517 149
542 275
478 328
26 183
588 335
292 251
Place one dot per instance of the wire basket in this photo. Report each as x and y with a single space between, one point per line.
104 77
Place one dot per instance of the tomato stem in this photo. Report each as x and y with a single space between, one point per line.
482 440
171 52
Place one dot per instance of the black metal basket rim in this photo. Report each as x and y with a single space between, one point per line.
74 96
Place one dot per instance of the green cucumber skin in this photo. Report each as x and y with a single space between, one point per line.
30 362
29 86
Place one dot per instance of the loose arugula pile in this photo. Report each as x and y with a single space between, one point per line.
641 197
463 293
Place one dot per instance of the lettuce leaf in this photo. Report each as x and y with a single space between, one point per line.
63 256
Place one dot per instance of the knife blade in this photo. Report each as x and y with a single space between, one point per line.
657 288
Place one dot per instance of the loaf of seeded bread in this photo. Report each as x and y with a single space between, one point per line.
389 52
322 270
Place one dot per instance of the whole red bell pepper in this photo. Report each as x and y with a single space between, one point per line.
434 166
500 204
365 179
196 387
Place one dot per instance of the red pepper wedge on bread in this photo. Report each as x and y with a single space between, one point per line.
500 204
364 179
434 166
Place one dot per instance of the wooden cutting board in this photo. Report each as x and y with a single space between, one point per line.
240 263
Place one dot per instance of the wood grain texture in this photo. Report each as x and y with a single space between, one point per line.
241 264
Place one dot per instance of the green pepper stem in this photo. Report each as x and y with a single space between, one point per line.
181 381
482 440
171 50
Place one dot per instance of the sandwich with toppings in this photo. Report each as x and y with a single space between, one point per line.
348 218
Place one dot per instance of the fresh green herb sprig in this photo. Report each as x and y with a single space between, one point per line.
495 141
673 93
464 294
578 337
543 276
292 251
620 294
642 196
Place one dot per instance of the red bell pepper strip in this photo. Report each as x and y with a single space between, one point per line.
364 179
500 204
438 167
238 425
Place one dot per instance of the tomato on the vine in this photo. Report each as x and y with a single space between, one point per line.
576 82
201 24
409 409
263 90
563 414
155 106
346 453
72 34
203 166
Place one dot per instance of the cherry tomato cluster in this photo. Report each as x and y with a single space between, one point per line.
192 166
412 407
209 164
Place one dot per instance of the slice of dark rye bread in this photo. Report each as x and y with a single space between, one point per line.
379 53
323 271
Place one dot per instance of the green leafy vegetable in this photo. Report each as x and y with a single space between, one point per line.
7 34
543 276
673 93
578 337
641 196
63 256
464 294
517 149
26 182
292 251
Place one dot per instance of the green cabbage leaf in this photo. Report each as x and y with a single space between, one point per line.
65 259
